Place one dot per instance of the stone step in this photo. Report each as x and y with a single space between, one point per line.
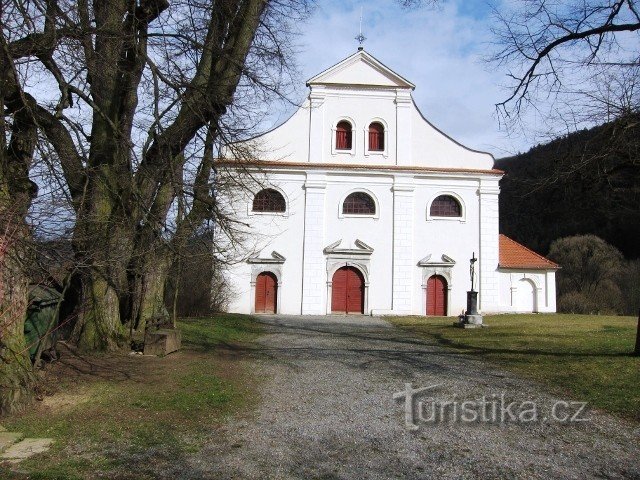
25 449
9 438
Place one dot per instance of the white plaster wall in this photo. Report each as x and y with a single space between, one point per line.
401 234
545 285
268 233
488 279
457 238
309 135
375 232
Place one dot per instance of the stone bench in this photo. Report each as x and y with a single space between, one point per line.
162 341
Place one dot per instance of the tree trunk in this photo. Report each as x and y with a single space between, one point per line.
151 299
16 372
99 327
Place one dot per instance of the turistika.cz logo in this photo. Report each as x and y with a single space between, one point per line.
422 409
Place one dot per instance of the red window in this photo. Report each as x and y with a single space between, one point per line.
269 200
445 206
359 203
343 136
376 137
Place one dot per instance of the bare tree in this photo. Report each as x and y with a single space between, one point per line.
148 90
579 53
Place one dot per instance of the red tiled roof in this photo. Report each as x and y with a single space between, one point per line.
514 255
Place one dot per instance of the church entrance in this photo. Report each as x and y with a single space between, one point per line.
347 291
437 296
266 293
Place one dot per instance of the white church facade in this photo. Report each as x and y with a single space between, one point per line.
363 206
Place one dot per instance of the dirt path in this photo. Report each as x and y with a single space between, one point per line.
327 411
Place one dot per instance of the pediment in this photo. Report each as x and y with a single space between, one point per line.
274 258
361 68
445 261
360 248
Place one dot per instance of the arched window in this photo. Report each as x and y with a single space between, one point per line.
445 206
359 203
376 137
343 136
269 200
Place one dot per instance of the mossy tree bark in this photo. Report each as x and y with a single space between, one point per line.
16 193
122 196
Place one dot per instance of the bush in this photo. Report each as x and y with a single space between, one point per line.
592 278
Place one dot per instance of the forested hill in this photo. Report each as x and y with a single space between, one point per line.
586 182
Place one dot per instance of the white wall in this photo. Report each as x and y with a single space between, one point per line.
517 285
396 284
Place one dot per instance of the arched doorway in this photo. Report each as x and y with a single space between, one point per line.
347 291
525 300
437 296
266 293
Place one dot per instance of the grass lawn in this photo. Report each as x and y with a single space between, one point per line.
587 357
130 417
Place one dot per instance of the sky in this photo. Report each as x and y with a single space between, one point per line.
441 50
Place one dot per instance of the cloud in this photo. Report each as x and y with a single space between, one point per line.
440 50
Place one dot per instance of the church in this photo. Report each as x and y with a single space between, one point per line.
362 206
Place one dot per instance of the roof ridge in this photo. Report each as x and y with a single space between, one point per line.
530 251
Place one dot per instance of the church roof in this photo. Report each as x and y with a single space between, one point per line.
515 255
361 68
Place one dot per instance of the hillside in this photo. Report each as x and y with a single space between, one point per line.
585 182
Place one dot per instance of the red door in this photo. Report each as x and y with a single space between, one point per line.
437 296
266 293
347 292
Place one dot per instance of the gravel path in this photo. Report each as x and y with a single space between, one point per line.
327 411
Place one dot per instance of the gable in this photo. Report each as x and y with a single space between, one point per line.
360 68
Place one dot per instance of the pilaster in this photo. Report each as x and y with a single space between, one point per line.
403 261
488 258
313 262
403 128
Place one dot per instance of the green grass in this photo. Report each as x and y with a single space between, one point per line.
170 405
587 357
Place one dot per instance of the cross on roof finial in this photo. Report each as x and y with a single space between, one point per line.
360 37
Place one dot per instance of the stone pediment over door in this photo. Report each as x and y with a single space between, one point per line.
433 266
271 264
445 261
359 256
274 258
359 249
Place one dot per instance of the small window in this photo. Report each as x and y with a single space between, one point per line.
343 136
359 203
445 206
376 137
269 200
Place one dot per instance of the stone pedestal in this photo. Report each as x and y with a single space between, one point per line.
471 318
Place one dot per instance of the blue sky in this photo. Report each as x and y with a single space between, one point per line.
439 49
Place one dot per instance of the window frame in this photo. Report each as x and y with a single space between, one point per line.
385 138
285 213
463 211
359 215
334 138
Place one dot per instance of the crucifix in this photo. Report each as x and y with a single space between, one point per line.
472 269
